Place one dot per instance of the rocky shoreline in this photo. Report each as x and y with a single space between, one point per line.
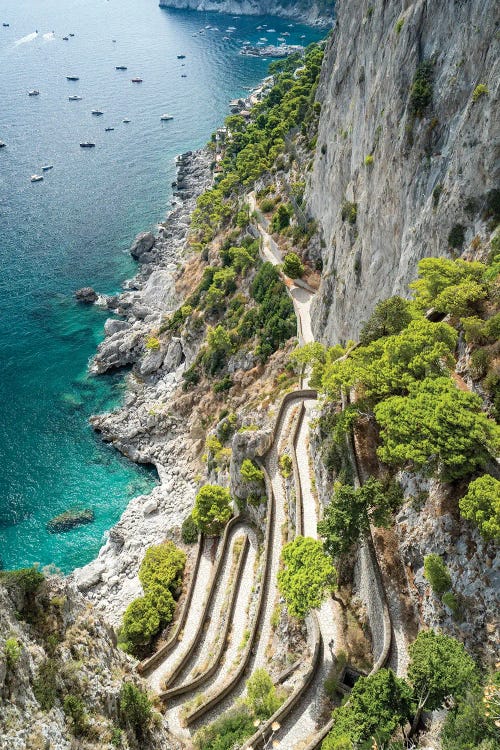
145 428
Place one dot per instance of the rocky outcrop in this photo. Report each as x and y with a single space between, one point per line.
53 645
87 295
426 171
317 12
69 519
142 246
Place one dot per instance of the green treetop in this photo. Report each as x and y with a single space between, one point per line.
307 575
212 509
482 505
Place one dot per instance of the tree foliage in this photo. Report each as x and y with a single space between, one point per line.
351 511
293 266
141 622
390 317
135 708
162 564
436 426
306 576
439 667
251 472
377 705
390 365
262 697
481 504
449 285
212 509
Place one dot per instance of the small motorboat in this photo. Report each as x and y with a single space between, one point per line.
75 98
72 78
71 35
47 167
120 67
36 178
2 144
87 144
33 92
126 120
166 117
183 75
106 130
113 40
272 31
136 80
181 57
65 38
5 24
96 112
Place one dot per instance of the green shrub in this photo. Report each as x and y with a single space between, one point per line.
189 530
281 218
153 343
456 237
437 573
141 622
212 509
286 465
25 580
12 651
466 726
306 576
262 698
164 564
421 89
251 472
45 685
481 504
292 266
349 212
480 90
227 732
135 708
223 385
267 205
451 601
74 708
436 194
116 737
479 362
368 160
399 25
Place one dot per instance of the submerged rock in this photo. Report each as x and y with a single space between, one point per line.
87 295
69 519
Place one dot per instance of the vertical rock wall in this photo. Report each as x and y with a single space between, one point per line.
426 174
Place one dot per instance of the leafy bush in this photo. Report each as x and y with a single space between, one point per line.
212 509
286 465
466 726
456 237
368 160
451 601
480 90
437 573
223 385
439 275
349 212
292 266
421 89
399 25
437 426
267 205
189 530
74 708
153 343
45 684
141 622
306 576
377 706
251 472
12 652
481 504
135 708
227 732
25 580
262 698
281 218
162 564
479 362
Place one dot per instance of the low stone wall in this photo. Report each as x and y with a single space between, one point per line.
201 679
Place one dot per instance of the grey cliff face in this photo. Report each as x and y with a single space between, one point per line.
318 12
426 173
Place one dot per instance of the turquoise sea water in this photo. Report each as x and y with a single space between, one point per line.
73 229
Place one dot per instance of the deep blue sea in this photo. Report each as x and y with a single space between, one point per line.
74 228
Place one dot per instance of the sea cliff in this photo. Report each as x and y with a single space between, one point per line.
317 12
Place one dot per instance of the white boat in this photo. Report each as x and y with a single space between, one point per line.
47 167
36 178
166 117
2 144
72 78
96 112
33 92
75 98
271 31
126 120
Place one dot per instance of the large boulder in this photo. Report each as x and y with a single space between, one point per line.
69 519
112 325
143 243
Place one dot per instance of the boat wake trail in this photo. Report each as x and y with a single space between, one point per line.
49 36
27 38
